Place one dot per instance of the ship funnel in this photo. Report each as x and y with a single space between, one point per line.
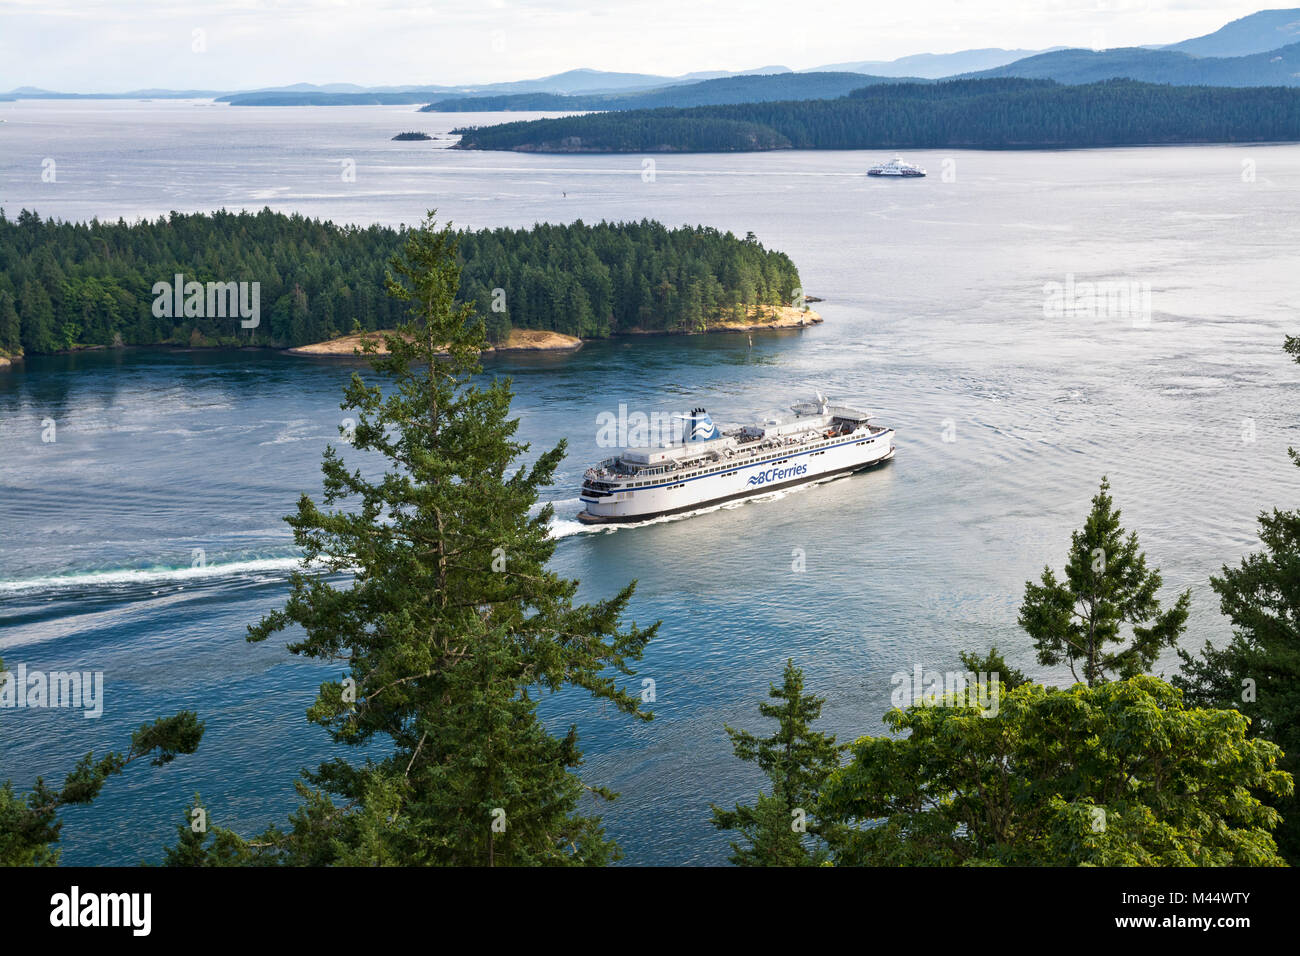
699 426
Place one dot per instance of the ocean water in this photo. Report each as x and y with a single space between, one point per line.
934 294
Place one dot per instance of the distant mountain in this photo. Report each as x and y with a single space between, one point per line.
534 94
718 74
35 93
324 99
573 82
583 81
731 89
933 66
1274 68
1258 33
1253 51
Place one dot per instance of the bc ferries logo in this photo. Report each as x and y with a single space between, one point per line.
777 474
704 430
700 426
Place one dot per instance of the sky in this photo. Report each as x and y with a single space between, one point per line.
100 46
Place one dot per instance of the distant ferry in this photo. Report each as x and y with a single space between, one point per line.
895 167
710 466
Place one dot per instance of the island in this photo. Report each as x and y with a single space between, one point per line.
294 282
997 113
410 135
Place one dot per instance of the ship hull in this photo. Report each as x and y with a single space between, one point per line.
747 482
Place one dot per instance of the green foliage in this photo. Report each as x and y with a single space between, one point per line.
1107 585
970 114
1258 671
92 283
451 627
198 843
797 760
30 825
993 663
1122 774
36 318
10 329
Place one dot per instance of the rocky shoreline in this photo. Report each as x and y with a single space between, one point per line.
519 340
783 317
534 340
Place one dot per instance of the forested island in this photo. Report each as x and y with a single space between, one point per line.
751 88
70 285
1009 113
411 135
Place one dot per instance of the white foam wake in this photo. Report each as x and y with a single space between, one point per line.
139 576
562 526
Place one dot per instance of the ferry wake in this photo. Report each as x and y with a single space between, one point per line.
710 466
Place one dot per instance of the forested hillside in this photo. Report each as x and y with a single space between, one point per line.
987 114
64 285
754 88
1278 67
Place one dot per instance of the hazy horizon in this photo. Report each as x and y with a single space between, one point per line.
96 46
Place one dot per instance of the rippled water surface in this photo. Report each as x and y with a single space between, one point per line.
934 293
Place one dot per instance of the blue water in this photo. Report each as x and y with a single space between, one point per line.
933 316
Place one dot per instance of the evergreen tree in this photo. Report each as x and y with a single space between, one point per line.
37 315
797 760
200 844
993 663
30 825
10 325
452 627
1258 671
1107 585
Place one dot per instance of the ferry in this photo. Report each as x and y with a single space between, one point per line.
896 167
710 466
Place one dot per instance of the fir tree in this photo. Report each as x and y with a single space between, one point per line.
1258 671
10 326
37 315
993 663
1107 585
30 825
797 760
452 627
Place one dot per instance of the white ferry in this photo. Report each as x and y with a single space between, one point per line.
710 466
896 167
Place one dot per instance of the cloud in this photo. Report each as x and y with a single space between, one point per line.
117 45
